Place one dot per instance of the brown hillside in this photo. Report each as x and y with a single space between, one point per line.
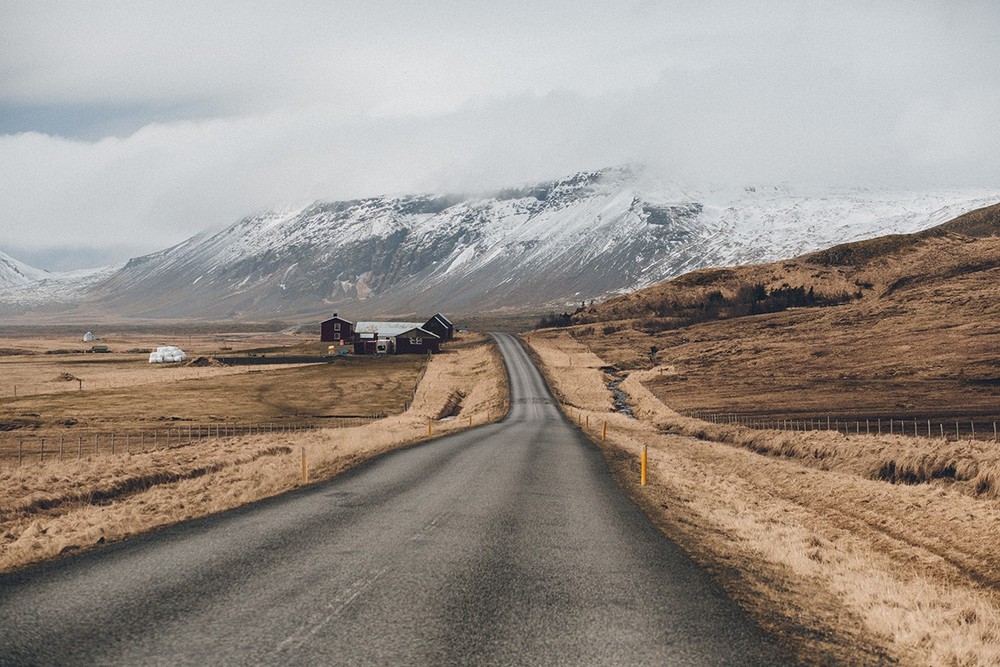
900 326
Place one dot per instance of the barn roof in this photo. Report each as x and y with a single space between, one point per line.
339 319
420 331
442 318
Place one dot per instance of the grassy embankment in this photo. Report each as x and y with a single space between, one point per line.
807 530
62 507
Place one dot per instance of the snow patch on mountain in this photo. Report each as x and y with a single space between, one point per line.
15 273
544 245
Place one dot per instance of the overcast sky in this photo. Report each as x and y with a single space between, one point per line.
125 127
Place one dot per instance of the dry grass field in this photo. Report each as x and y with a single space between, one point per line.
802 529
300 393
45 360
83 397
65 506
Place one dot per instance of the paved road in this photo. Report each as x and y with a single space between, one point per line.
507 544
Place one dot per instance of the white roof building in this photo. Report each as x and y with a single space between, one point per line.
385 329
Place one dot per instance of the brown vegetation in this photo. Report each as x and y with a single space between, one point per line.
915 333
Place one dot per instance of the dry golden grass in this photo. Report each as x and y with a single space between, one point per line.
26 361
303 394
147 402
920 342
848 568
49 510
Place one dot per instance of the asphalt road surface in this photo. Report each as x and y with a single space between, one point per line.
507 544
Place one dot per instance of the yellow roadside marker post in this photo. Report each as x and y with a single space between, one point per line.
470 421
588 421
604 431
305 467
643 473
429 431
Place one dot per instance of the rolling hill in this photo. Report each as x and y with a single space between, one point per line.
896 326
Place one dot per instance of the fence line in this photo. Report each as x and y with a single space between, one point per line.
952 429
416 384
22 449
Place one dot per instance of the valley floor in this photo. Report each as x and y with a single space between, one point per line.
63 506
808 530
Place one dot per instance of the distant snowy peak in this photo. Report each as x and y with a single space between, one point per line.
530 247
46 288
14 273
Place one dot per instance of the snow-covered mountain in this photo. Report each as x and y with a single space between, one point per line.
543 246
14 273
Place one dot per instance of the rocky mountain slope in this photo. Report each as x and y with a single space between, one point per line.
584 237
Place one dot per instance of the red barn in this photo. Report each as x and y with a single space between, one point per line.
336 329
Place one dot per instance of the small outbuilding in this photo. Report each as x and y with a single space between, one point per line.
89 337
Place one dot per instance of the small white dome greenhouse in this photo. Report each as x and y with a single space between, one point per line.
166 354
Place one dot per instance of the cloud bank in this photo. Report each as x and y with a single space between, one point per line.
134 126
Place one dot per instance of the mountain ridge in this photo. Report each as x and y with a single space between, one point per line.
588 236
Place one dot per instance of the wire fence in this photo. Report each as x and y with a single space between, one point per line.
38 448
947 429
416 384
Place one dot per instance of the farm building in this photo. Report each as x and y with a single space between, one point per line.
440 326
388 337
394 338
336 330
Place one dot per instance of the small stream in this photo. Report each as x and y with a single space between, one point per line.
621 399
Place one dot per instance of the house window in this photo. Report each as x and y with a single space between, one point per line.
336 326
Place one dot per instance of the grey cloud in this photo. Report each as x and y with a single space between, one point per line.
155 121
